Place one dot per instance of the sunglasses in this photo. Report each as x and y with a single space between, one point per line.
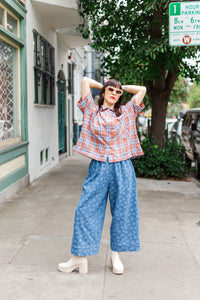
113 89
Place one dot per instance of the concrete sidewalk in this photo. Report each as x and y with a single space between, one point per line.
36 229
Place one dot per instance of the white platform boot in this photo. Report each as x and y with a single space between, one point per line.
75 262
116 263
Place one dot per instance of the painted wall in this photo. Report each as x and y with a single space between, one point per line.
42 121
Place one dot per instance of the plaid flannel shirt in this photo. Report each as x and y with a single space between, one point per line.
104 135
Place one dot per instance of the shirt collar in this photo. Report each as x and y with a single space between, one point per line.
104 108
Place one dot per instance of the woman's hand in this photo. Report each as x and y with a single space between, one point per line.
138 90
105 79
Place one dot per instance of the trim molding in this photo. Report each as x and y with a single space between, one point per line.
12 166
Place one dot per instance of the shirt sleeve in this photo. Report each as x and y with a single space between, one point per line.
86 104
133 108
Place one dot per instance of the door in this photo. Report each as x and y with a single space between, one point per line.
62 115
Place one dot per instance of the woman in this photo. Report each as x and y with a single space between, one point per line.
109 138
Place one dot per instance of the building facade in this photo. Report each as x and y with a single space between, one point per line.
44 55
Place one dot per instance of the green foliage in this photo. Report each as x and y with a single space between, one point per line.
163 163
134 35
180 91
194 96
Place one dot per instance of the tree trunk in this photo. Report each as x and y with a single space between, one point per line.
159 94
159 103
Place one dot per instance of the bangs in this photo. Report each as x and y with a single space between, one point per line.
114 83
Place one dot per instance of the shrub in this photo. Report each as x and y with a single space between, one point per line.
168 162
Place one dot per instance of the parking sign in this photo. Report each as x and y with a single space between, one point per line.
184 23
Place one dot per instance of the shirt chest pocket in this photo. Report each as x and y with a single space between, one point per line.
123 133
122 129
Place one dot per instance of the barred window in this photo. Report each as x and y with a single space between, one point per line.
9 89
44 70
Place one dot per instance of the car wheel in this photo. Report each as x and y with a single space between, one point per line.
197 166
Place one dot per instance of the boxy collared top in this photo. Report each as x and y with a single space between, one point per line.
105 136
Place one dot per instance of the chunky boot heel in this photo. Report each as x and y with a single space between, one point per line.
76 262
116 263
83 268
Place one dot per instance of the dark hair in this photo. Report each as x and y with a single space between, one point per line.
114 83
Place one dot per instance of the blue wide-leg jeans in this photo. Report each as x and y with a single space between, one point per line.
118 182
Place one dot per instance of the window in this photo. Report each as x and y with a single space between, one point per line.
41 157
192 120
44 156
9 89
71 78
9 21
12 24
47 154
97 68
186 119
198 123
44 70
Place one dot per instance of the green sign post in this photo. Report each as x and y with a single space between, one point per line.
184 23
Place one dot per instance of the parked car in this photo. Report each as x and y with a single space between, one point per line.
190 137
168 125
175 132
145 124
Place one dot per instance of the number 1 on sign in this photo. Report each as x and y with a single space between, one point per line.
174 9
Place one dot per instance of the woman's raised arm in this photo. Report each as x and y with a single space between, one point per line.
87 84
138 90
